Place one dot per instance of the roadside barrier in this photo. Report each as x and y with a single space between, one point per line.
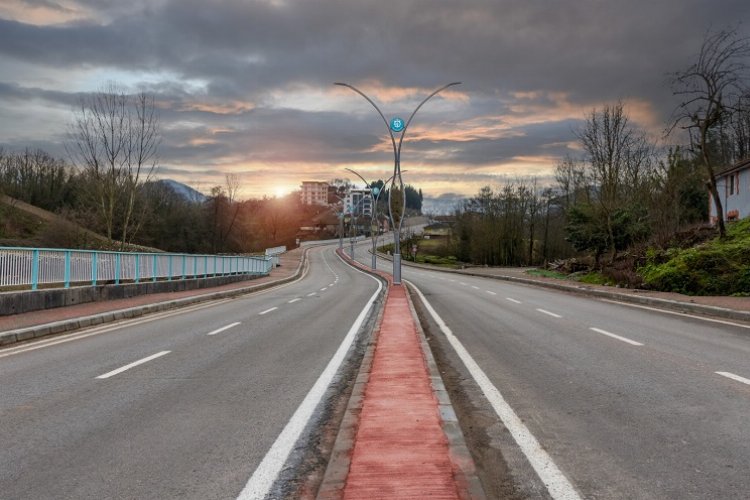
32 267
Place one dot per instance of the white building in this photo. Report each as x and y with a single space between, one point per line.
314 193
359 202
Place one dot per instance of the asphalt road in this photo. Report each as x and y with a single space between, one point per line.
215 386
626 401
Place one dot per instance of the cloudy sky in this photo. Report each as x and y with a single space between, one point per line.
246 87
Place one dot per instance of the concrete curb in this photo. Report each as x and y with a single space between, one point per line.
672 305
14 336
463 464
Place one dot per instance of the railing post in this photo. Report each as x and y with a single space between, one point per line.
215 262
205 266
34 268
195 267
184 259
153 269
137 268
67 268
94 268
118 263
169 278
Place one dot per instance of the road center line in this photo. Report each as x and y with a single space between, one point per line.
549 313
324 289
223 328
462 283
311 294
734 377
475 287
609 334
513 300
294 300
133 364
557 484
267 311
491 293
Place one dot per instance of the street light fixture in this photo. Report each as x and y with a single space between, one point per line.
373 214
396 125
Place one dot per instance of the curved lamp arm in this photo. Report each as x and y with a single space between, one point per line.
385 120
403 132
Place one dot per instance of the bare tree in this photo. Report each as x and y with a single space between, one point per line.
115 140
710 88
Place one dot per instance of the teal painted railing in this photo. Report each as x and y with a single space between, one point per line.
21 267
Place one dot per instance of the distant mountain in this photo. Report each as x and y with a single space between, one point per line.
184 190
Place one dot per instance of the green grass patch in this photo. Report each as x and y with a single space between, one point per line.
595 278
717 267
544 273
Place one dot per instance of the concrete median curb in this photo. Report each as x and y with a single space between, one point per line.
672 305
69 325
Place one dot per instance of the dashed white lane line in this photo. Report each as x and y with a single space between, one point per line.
491 293
475 287
331 284
223 328
133 364
614 336
311 294
734 377
324 289
554 315
558 486
462 283
297 299
267 311
512 300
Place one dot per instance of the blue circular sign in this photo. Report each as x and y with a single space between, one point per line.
375 190
397 124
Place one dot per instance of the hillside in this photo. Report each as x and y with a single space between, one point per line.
25 225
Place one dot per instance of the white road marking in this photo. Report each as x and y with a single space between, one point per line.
609 334
311 294
475 287
223 328
294 300
324 289
267 311
133 364
331 284
260 482
491 293
734 377
462 283
513 300
557 484
675 313
549 313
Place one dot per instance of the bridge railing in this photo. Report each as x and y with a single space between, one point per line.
23 267
274 254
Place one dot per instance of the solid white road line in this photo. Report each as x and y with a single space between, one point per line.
557 484
260 482
133 364
491 293
513 300
223 328
609 334
734 377
294 300
549 313
267 311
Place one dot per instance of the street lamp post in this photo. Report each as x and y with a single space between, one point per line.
373 214
396 125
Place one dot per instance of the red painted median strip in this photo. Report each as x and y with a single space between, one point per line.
400 450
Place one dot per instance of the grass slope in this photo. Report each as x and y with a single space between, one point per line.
717 267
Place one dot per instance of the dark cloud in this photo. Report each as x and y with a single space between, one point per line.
224 72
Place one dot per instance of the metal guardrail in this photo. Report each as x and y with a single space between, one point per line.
20 267
274 254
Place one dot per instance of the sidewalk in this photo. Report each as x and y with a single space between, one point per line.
405 442
64 318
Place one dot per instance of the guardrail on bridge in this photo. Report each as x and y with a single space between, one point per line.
22 267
